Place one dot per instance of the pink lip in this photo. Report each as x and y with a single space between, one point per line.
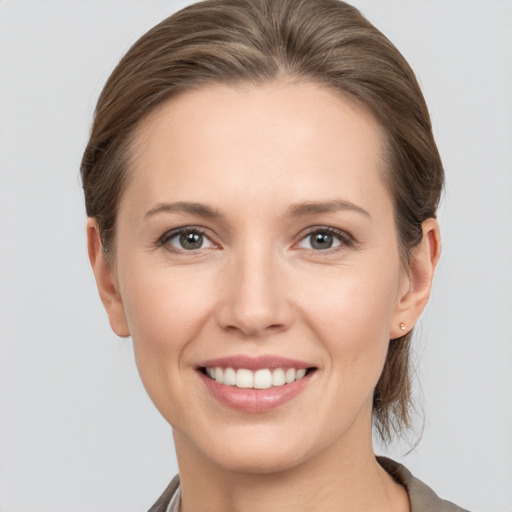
254 400
255 363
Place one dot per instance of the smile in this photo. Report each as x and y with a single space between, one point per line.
264 378
255 385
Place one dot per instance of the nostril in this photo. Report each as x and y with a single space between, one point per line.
253 327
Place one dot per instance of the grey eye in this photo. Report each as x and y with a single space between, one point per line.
189 241
320 240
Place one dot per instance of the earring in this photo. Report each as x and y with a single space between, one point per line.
402 326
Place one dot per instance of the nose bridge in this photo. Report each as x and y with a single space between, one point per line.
254 299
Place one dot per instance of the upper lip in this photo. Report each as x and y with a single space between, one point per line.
255 363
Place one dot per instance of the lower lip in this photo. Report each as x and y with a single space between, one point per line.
255 400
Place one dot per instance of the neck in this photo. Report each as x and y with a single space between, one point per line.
340 478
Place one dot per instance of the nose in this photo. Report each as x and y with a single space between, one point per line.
254 299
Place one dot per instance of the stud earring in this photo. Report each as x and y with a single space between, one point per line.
402 326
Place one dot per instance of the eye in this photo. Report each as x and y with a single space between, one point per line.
186 239
323 239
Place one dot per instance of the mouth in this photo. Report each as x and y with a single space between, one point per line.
255 385
263 378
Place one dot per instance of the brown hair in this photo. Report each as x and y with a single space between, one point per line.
256 41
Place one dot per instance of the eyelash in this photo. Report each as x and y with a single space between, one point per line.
346 240
164 240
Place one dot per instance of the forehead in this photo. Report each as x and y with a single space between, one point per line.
301 140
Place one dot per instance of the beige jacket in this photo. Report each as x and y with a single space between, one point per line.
422 498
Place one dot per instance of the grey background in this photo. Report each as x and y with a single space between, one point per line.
77 432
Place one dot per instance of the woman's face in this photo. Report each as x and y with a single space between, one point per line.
256 233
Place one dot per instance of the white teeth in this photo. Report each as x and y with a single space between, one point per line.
290 375
278 377
229 377
244 378
260 379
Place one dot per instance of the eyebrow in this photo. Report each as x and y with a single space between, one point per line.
199 209
296 210
313 208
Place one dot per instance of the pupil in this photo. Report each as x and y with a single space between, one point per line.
191 241
322 241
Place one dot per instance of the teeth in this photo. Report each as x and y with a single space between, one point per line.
229 377
262 379
244 378
290 375
300 373
278 378
259 379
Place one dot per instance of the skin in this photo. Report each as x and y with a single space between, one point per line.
257 287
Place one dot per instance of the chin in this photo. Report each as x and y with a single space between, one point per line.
258 460
248 450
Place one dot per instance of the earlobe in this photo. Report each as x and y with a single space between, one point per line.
424 259
105 281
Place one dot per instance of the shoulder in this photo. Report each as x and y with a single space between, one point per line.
422 497
172 491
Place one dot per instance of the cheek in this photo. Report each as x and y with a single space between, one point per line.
351 313
166 308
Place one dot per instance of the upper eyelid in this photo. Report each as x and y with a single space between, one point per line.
171 233
341 233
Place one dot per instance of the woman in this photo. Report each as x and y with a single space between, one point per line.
261 183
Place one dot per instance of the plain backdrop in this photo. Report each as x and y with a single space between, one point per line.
77 432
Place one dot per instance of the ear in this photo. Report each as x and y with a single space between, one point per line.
418 281
104 273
